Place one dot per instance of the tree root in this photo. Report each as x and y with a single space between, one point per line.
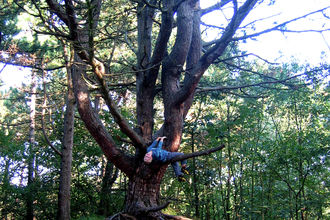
148 213
121 216
163 216
175 217
153 208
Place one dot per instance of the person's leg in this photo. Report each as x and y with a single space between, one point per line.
177 169
184 167
175 165
184 163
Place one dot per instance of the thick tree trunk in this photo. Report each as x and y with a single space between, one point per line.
142 199
145 92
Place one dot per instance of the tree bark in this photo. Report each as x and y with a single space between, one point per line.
142 199
63 212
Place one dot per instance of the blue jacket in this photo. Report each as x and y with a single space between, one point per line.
158 154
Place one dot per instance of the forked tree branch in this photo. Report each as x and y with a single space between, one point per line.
193 77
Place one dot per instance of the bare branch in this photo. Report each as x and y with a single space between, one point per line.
214 7
325 41
245 55
261 19
304 31
279 27
211 26
196 154
58 10
4 66
47 139
223 88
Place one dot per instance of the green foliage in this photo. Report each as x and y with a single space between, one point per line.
92 217
273 165
8 23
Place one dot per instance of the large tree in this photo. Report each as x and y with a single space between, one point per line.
170 60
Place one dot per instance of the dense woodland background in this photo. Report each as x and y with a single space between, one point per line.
274 165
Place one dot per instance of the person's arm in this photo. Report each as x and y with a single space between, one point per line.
161 140
152 145
160 144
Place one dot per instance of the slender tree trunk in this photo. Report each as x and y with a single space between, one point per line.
228 185
297 206
196 193
252 186
222 204
235 213
31 158
241 193
262 195
290 204
208 205
269 194
63 212
227 210
4 189
110 176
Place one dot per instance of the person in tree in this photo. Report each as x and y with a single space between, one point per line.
157 154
